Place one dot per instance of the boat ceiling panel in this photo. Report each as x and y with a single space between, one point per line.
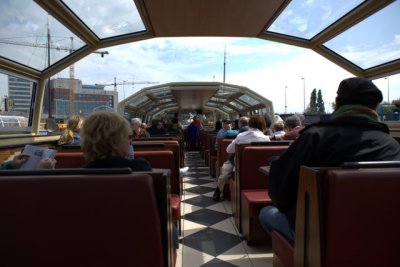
192 99
210 18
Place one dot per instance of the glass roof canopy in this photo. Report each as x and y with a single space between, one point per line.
226 98
347 32
360 36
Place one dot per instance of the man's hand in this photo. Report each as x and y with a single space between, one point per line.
20 159
47 164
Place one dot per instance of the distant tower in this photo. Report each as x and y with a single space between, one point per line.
224 62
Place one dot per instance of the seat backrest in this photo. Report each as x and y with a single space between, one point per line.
351 219
173 145
248 159
252 157
163 159
70 160
222 154
80 220
211 145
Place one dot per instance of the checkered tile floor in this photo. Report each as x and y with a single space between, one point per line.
209 237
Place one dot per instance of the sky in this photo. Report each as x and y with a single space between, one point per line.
276 71
262 66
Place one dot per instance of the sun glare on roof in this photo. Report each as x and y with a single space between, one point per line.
305 19
108 18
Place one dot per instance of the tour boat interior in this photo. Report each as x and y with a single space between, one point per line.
209 234
94 25
212 233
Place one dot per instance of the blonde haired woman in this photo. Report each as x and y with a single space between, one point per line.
106 141
71 133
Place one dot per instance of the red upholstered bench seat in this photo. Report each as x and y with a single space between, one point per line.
69 160
283 250
253 200
175 207
256 199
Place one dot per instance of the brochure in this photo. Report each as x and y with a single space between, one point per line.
36 154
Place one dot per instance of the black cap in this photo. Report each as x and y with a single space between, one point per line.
358 91
226 121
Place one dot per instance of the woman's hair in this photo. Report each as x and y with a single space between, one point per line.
100 131
279 126
136 121
74 124
292 122
258 122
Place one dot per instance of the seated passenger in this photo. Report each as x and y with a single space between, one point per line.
257 127
293 128
218 126
268 123
226 126
137 130
105 142
176 127
156 128
20 159
278 130
243 124
70 136
353 134
302 119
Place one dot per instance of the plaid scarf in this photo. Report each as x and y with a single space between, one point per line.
355 111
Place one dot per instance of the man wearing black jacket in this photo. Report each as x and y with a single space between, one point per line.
353 134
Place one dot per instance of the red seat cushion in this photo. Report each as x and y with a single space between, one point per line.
256 199
283 249
175 207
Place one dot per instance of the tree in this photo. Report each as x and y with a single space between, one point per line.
320 103
312 108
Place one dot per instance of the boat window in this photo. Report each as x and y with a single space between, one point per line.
108 18
305 19
236 105
373 41
138 101
26 37
248 99
16 104
227 109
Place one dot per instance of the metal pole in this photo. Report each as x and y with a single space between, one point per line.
285 101
224 64
123 88
388 91
48 65
304 94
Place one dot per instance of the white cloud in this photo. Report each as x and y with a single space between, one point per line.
187 59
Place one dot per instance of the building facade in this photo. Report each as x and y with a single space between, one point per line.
19 95
86 98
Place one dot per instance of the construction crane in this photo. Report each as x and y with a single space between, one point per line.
123 83
71 67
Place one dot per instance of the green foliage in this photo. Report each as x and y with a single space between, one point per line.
317 105
320 103
386 109
312 108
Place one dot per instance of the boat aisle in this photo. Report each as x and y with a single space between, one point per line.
209 236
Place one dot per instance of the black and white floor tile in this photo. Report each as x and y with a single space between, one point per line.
209 236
